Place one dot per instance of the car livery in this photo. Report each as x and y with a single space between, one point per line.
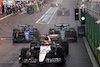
61 30
25 34
45 51
64 32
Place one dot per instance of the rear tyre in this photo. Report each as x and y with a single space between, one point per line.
66 47
75 36
60 54
23 53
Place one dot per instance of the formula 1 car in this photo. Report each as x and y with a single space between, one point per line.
45 51
25 34
64 33
62 12
55 5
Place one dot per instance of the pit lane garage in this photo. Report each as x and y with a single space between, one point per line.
64 32
25 34
63 12
45 51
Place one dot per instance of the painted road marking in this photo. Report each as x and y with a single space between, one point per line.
6 16
52 16
10 15
47 17
43 15
59 1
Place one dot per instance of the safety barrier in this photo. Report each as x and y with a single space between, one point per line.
93 36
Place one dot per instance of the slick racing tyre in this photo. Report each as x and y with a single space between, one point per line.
15 35
14 30
24 55
31 36
66 47
60 54
75 36
36 32
34 29
73 33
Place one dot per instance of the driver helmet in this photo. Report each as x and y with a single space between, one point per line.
26 26
42 43
46 38
62 28
47 43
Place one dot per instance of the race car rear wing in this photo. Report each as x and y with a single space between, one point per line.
25 25
61 25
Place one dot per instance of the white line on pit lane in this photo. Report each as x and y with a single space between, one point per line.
6 16
10 15
43 15
52 16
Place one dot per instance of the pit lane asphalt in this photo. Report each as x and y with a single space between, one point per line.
9 52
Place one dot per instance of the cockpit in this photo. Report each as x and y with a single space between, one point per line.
26 28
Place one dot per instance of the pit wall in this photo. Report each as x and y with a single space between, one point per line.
93 37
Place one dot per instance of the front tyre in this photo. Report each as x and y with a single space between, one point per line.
24 55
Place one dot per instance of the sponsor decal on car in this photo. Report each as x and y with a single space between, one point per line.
50 60
53 35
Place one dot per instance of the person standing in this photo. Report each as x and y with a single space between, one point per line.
14 9
40 6
11 7
20 7
2 9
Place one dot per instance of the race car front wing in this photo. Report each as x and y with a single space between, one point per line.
47 60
